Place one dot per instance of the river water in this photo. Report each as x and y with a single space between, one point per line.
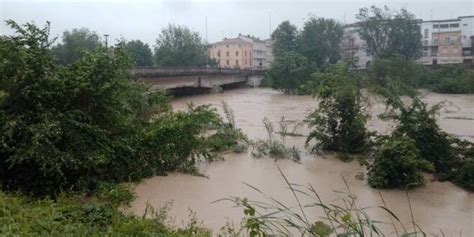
436 206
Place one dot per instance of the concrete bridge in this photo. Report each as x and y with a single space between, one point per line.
197 78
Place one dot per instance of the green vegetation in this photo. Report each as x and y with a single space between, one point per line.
389 33
397 164
140 53
273 147
179 46
75 215
71 128
75 44
453 79
289 72
339 121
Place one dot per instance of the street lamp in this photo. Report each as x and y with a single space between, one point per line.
106 37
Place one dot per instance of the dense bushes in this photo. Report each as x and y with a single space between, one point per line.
70 128
452 79
339 121
397 164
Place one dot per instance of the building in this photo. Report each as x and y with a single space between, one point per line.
354 48
448 41
243 52
232 53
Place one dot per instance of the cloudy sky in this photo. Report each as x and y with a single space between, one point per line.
143 19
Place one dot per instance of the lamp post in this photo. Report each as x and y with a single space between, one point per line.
106 37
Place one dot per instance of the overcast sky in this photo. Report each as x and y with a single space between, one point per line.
142 19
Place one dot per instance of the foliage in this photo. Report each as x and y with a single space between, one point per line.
289 72
140 53
343 217
397 164
390 33
285 38
75 44
179 46
465 175
76 216
339 121
389 72
72 128
227 136
450 79
273 147
320 41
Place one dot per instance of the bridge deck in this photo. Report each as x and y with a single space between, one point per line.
153 72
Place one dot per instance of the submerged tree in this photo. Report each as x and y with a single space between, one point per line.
339 121
390 33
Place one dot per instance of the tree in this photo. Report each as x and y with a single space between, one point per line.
289 72
179 46
389 33
339 121
285 38
140 53
320 41
75 44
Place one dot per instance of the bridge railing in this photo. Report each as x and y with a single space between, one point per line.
145 72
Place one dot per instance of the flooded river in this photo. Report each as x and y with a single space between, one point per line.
436 206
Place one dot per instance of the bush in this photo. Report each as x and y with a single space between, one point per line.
465 175
397 164
339 121
384 72
451 79
72 128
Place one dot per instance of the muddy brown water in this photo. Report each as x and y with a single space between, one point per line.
436 206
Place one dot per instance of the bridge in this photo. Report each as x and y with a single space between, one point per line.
197 78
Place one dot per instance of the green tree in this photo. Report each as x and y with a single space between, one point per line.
289 72
285 38
320 41
339 121
140 53
390 33
75 44
179 46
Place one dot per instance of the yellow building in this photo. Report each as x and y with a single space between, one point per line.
232 53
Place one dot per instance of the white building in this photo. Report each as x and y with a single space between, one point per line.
354 48
448 41
262 55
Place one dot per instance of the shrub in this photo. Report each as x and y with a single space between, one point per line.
339 121
465 175
397 70
451 79
397 164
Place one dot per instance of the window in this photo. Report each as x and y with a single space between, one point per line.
425 42
237 63
227 53
236 53
425 34
425 54
465 24
245 62
444 26
227 46
227 62
219 53
435 26
245 53
240 45
454 25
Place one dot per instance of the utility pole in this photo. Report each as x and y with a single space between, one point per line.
270 23
106 43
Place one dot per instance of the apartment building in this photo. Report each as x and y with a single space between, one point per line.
354 48
243 52
449 41
232 53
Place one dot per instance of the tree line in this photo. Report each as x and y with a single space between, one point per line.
175 46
